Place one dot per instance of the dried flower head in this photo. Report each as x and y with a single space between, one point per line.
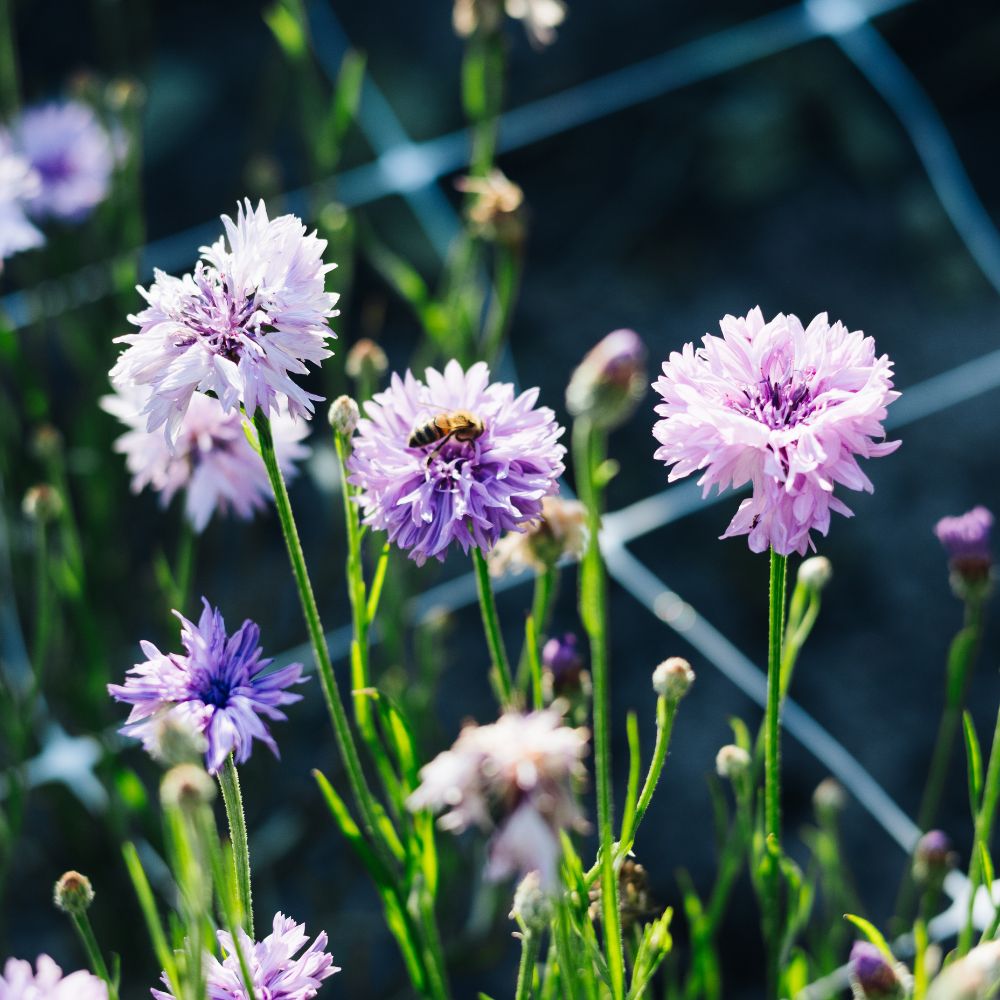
453 459
635 902
211 460
344 415
73 154
495 206
366 360
673 678
515 778
967 540
559 533
47 982
19 183
785 408
73 893
607 385
275 972
732 762
248 319
217 687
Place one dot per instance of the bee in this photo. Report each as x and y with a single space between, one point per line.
458 424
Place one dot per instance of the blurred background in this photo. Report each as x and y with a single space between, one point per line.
679 162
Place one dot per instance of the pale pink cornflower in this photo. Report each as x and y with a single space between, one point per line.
249 317
784 408
212 461
515 779
19 182
19 982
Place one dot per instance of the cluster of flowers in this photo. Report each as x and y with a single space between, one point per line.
56 162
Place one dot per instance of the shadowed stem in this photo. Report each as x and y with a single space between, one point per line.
500 677
229 782
526 969
772 771
81 922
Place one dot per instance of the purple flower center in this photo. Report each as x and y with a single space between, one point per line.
222 319
54 168
216 691
776 403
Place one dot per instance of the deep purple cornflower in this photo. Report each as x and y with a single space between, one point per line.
247 319
211 461
18 183
19 982
74 155
785 408
216 688
966 539
275 972
871 972
453 490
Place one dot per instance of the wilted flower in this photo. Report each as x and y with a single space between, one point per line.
608 384
933 858
514 778
872 975
974 977
635 903
466 487
247 319
559 533
211 459
18 982
73 893
217 688
18 184
673 678
274 971
785 408
74 155
494 206
966 539
732 762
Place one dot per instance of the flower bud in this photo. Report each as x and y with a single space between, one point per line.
815 572
673 678
174 741
872 974
532 904
635 905
73 893
42 503
966 539
366 360
46 442
933 858
609 382
732 762
186 786
344 415
562 663
829 798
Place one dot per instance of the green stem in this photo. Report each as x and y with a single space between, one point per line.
229 782
546 584
86 934
772 770
588 456
526 970
184 565
500 678
9 86
334 703
43 609
666 711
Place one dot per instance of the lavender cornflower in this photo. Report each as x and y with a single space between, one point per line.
785 408
514 778
966 539
274 972
216 688
247 319
18 184
466 487
211 460
18 982
74 155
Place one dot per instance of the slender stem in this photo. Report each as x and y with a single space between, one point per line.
86 933
503 684
321 653
666 711
546 584
184 565
588 454
526 970
772 770
9 81
229 782
43 606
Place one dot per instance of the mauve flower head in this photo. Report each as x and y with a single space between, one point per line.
610 380
18 184
966 539
464 491
786 408
240 326
74 155
19 982
211 460
872 973
516 779
216 687
275 972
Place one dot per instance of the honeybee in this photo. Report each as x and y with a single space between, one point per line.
458 424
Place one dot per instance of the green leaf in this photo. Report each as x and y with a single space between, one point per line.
960 654
286 21
347 94
873 934
974 763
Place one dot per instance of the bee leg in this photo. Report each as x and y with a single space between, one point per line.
439 446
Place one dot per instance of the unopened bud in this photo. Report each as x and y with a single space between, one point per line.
532 904
186 786
73 893
966 539
673 678
732 762
815 572
366 360
344 415
609 382
563 665
46 442
873 974
829 798
933 858
174 741
42 503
